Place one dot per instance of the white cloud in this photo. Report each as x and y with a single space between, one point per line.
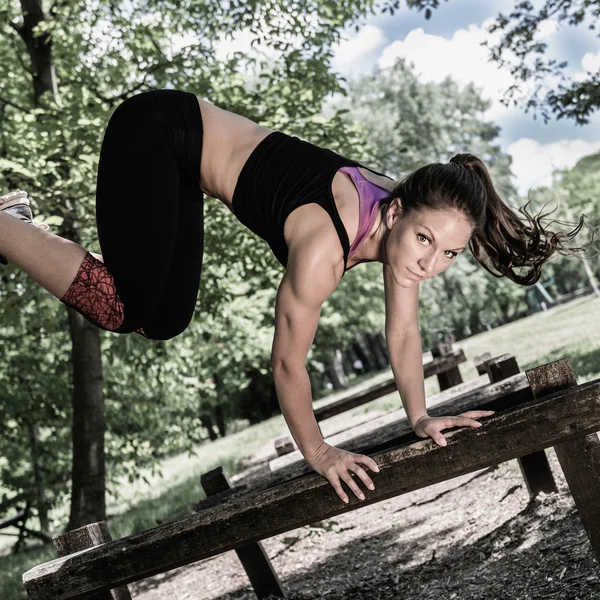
353 54
546 29
463 58
533 163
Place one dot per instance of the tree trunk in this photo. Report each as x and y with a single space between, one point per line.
40 480
88 475
88 496
220 420
207 423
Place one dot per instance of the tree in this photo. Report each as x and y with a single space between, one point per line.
62 72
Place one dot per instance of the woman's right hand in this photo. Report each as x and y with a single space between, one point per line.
337 465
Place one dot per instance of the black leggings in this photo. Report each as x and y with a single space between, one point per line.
149 212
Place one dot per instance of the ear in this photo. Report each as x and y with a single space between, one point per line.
394 211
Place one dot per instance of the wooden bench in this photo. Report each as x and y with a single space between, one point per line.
552 411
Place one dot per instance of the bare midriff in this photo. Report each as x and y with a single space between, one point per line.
229 140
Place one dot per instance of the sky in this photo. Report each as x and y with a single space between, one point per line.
449 44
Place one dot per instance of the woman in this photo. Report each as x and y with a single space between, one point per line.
320 213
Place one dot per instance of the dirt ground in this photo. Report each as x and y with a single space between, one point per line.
474 537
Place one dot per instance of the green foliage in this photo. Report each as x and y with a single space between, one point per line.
102 53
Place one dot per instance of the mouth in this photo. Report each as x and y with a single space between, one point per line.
415 276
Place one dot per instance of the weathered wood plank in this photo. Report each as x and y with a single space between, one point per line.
434 367
377 423
579 457
516 432
253 557
82 538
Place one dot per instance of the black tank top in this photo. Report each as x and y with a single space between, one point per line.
281 174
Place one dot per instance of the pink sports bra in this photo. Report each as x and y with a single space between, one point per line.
370 197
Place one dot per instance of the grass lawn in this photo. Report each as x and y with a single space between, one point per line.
572 330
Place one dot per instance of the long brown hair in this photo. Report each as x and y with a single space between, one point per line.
507 243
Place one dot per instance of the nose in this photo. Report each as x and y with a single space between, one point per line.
427 263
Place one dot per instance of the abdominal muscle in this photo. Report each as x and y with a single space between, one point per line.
228 141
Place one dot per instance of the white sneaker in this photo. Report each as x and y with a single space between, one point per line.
17 205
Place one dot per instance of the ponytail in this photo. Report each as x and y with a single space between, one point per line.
509 244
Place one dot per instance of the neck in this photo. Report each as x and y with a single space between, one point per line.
372 248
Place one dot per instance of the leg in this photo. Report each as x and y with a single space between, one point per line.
178 301
50 260
149 210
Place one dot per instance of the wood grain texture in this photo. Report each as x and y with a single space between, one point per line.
89 536
498 396
390 418
535 467
253 557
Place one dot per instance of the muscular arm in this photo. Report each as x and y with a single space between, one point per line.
308 281
311 277
404 344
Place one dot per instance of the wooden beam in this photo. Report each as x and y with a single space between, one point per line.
89 536
516 432
498 396
535 467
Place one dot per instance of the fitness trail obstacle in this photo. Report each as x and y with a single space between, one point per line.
553 411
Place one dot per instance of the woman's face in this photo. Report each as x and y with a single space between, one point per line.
424 242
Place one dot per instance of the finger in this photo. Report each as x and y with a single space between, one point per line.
461 422
362 475
477 414
334 480
347 479
367 461
439 439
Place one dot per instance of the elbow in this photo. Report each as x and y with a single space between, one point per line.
285 367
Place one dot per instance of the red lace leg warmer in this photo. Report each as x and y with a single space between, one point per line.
93 294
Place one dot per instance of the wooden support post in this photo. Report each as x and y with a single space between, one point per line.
452 376
535 467
88 536
284 445
254 559
479 362
579 457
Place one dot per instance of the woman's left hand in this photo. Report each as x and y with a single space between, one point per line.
432 427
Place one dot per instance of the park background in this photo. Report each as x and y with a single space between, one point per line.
88 416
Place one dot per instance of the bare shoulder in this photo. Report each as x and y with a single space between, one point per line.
316 262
